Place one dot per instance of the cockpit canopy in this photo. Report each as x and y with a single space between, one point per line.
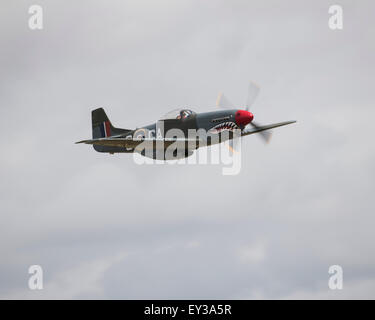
178 114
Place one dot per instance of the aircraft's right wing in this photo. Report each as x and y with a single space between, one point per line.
250 130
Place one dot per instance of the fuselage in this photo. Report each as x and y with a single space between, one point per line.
214 122
207 127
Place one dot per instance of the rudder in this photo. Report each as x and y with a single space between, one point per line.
102 126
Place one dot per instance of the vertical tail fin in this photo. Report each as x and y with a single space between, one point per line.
102 126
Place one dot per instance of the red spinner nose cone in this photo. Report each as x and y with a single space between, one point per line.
243 117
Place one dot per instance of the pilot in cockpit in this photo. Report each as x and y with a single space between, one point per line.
184 114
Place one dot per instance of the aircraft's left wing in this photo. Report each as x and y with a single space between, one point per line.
250 130
133 143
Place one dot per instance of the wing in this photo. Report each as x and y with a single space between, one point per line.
133 143
251 130
166 142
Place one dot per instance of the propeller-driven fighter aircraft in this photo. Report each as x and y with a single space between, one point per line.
208 128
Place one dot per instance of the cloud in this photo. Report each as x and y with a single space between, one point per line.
253 253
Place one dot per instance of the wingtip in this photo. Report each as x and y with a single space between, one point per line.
290 122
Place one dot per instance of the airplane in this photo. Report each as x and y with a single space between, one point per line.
219 126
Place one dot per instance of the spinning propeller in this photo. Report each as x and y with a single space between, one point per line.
253 91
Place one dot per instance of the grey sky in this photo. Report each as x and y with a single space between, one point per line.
103 227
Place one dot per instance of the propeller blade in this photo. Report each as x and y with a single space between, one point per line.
223 102
233 145
252 94
264 135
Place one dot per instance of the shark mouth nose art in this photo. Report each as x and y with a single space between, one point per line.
225 126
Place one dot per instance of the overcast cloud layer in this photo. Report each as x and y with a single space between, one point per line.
102 226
